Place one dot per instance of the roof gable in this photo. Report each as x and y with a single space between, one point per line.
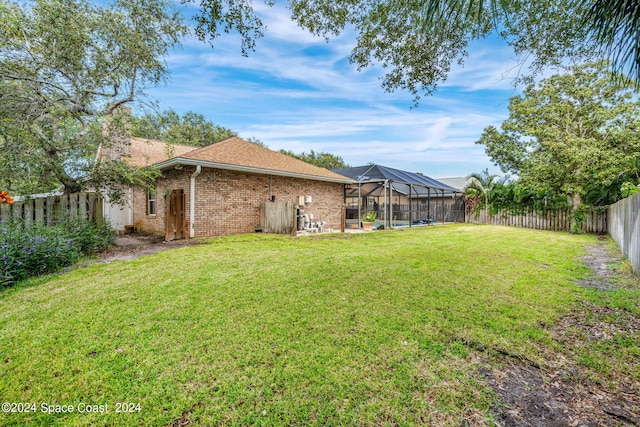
145 152
459 182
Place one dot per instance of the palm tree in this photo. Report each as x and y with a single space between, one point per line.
482 184
613 25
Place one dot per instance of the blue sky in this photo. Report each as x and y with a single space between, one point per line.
298 92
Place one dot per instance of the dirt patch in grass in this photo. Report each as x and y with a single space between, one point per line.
601 261
531 396
590 381
132 246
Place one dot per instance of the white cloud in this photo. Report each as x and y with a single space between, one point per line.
383 136
280 26
296 92
490 65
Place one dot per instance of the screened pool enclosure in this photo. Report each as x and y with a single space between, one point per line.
400 198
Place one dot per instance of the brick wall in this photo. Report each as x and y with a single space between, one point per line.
228 202
171 180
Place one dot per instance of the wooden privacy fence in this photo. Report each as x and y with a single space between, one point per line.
624 228
48 209
552 219
278 217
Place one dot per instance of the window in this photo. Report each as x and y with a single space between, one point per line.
151 201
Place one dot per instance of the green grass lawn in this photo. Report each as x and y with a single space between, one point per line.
386 328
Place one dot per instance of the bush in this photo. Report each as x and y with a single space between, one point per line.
88 236
369 216
629 189
38 249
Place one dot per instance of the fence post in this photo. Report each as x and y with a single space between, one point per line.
99 212
73 205
51 210
82 205
559 222
39 210
17 211
27 219
5 212
91 207
64 205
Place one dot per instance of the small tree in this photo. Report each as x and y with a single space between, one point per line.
481 185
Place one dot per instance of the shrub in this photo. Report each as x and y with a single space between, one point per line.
629 189
88 236
369 216
39 249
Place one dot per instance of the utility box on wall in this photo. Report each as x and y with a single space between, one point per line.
300 200
307 199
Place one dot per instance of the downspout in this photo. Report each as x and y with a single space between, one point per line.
192 200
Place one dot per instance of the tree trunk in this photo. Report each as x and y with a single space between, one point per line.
486 207
576 202
71 186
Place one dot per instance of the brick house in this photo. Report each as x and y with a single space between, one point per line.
219 189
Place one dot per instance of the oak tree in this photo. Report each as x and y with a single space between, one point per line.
191 128
321 159
571 132
64 66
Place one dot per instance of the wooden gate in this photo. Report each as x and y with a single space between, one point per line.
175 207
278 217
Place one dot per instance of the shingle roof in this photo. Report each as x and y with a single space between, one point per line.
145 152
236 152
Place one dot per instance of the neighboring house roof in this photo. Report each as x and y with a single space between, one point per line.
238 154
145 152
459 182
141 151
377 173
